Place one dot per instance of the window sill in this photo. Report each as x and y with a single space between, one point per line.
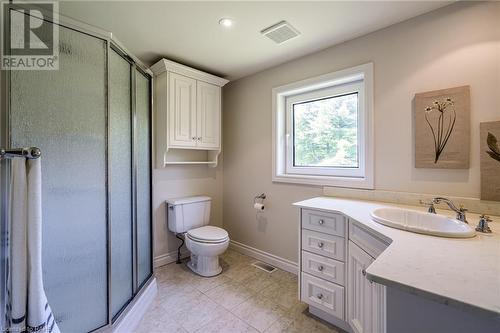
350 182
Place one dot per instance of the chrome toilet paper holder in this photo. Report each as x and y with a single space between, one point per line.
259 198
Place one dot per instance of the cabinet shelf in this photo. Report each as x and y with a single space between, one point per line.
189 162
180 156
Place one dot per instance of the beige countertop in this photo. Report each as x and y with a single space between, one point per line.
463 273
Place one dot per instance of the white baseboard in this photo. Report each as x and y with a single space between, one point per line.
141 304
168 258
282 263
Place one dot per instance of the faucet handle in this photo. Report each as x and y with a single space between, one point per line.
483 226
431 208
461 213
485 218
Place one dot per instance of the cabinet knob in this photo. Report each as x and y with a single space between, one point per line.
363 272
193 138
320 268
319 296
321 222
199 138
320 245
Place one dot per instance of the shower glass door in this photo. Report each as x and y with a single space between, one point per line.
91 119
63 112
143 133
120 182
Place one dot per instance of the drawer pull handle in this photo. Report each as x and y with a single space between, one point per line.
321 222
320 245
321 268
319 296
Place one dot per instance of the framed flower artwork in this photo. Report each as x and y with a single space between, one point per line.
442 128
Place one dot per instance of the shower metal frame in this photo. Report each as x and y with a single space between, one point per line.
5 140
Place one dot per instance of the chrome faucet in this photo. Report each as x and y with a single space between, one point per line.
460 211
431 208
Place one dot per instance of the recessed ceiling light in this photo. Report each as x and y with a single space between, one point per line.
226 22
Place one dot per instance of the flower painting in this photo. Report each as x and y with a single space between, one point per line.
442 125
490 160
442 128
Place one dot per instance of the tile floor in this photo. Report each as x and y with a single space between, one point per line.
241 299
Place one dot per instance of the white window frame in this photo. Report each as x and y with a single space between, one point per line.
356 79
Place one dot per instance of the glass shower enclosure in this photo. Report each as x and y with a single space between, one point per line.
91 119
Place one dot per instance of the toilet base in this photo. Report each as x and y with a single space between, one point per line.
205 266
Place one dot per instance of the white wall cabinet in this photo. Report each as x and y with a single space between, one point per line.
187 114
334 255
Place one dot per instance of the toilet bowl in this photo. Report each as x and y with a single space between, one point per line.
190 216
206 244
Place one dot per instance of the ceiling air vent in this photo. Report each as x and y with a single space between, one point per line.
280 32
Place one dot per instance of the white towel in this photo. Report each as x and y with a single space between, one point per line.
30 310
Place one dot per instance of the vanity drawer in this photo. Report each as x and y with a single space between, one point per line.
369 243
323 295
325 268
326 245
330 223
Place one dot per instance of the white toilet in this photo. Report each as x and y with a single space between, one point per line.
191 215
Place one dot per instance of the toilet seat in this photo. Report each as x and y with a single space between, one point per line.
208 234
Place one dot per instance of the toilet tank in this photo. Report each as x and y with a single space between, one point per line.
188 213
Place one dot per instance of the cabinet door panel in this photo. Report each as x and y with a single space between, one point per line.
378 313
182 111
208 115
366 301
359 293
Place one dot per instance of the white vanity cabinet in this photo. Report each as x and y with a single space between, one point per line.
334 254
187 114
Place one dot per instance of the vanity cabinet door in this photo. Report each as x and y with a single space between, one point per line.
365 299
208 115
182 111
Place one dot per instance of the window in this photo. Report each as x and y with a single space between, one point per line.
322 130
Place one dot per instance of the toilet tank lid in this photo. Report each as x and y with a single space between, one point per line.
187 200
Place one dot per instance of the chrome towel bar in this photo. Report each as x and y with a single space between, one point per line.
31 152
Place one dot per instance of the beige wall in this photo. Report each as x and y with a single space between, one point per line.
181 181
454 46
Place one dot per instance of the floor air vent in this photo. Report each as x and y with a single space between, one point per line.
280 32
264 266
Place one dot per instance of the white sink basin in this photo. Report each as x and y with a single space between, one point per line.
423 223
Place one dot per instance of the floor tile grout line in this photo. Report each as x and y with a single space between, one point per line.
258 294
251 324
231 311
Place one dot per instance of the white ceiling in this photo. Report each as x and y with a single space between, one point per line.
188 32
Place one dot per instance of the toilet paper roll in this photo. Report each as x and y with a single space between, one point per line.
258 206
